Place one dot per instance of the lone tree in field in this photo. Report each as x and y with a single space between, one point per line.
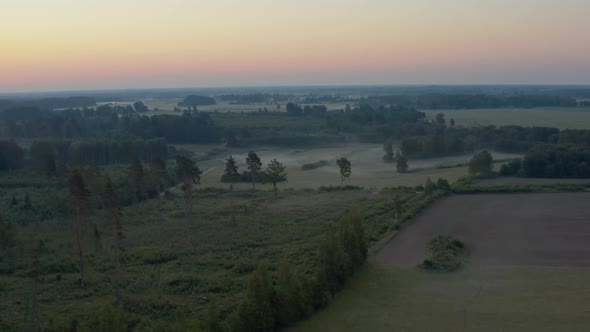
158 170
136 174
481 163
111 200
275 173
230 174
79 198
345 169
388 149
429 187
190 174
440 119
254 166
401 162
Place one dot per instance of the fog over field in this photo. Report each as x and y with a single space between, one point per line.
309 165
368 168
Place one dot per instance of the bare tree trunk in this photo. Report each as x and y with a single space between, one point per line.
80 246
36 270
188 203
275 189
253 186
159 199
114 226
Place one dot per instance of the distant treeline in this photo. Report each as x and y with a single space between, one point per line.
49 155
451 141
105 122
49 103
466 101
194 101
552 161
299 126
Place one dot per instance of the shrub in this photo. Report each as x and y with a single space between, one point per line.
446 254
318 164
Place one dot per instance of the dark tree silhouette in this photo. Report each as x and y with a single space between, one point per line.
345 169
254 166
481 163
189 174
275 173
388 149
401 162
429 187
230 174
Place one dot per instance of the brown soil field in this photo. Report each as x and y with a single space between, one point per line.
502 230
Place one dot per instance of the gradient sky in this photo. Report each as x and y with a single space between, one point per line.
48 45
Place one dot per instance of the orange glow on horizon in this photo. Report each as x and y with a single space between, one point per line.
68 44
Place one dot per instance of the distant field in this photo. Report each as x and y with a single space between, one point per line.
513 181
368 168
167 106
572 118
391 298
528 271
502 230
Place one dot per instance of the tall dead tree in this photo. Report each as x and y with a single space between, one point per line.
111 200
79 198
136 174
188 172
158 170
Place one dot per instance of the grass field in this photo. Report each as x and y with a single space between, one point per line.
390 298
563 118
528 271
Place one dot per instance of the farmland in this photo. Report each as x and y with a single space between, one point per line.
527 270
558 117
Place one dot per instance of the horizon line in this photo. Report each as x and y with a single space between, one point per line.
230 87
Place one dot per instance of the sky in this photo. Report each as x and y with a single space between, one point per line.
52 45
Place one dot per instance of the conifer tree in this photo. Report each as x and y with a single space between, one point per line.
254 167
190 174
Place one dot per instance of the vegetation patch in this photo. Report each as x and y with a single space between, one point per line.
317 164
446 254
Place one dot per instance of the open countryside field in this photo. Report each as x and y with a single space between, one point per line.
368 168
557 117
528 271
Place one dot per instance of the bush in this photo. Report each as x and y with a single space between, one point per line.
446 254
331 188
318 164
512 168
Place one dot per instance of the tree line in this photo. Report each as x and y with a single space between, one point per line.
551 161
466 101
272 303
49 156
